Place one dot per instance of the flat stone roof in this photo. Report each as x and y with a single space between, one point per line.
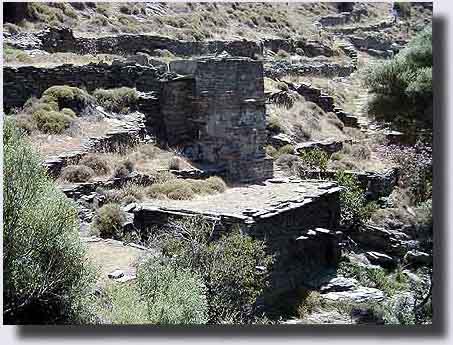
248 203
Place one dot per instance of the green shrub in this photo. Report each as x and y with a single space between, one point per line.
68 97
77 173
122 305
354 208
119 100
176 190
52 122
99 164
313 160
185 189
109 220
403 86
373 277
227 265
270 151
174 295
46 276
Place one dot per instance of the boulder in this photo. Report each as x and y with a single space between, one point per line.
358 295
328 145
280 140
339 284
418 258
380 259
116 274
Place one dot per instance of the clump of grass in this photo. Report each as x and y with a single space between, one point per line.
287 161
123 169
108 222
274 125
68 97
285 150
98 163
176 163
77 173
216 184
270 150
186 189
120 100
311 302
13 55
53 122
130 192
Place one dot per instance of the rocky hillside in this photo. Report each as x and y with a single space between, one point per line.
226 156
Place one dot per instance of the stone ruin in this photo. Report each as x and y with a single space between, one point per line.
217 113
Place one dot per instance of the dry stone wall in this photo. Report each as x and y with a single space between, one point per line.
19 84
63 40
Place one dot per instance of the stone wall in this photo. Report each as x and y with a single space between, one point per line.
19 84
309 48
63 40
229 97
278 69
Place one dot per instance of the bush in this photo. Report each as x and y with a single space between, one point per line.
403 86
52 122
176 190
313 160
270 151
121 305
123 169
120 100
46 276
273 125
77 173
285 150
415 165
68 97
228 266
216 184
25 123
99 164
185 189
354 208
174 295
109 220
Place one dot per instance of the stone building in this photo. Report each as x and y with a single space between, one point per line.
216 115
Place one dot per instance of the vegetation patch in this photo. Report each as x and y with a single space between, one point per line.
185 189
108 222
47 279
77 173
120 100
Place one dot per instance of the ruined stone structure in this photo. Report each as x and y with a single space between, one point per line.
19 84
296 218
218 114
